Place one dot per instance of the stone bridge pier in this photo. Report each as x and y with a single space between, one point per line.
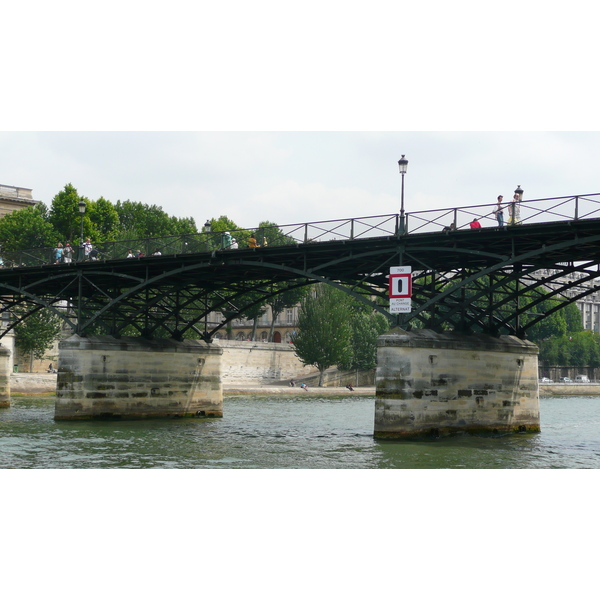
4 377
430 384
107 377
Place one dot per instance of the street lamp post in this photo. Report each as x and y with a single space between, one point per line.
402 165
207 230
81 207
516 206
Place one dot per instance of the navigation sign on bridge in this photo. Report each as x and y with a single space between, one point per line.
400 289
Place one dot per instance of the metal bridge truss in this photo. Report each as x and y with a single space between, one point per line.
494 280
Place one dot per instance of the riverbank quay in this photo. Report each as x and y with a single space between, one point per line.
32 384
569 389
273 390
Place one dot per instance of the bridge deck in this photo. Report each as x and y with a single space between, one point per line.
171 284
439 251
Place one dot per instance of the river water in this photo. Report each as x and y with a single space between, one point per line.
288 433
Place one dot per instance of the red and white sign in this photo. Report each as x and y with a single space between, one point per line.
400 289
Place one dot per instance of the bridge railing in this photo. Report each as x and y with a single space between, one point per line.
276 235
563 208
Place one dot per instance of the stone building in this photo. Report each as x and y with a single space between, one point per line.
14 198
589 305
241 329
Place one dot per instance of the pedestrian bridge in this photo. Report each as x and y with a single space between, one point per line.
459 361
469 280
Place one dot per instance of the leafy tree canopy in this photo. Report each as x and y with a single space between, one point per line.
36 334
269 233
26 228
65 217
138 221
324 330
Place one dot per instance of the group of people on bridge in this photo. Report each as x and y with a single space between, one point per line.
513 208
230 243
66 254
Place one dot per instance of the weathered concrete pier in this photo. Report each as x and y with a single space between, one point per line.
431 384
106 377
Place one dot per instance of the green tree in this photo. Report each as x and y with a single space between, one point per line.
573 318
554 323
367 326
269 234
286 299
25 229
139 221
37 333
65 216
324 335
104 220
219 226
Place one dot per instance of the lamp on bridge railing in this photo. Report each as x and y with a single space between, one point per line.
81 206
402 164
207 229
515 208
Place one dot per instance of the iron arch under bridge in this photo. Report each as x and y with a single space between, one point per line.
483 280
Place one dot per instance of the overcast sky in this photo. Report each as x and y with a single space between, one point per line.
299 115
300 176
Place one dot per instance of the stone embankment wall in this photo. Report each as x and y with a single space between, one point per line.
260 363
569 389
242 363
33 383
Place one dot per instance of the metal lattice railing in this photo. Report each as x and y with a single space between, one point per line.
571 208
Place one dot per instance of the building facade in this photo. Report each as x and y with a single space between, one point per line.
14 198
589 306
241 329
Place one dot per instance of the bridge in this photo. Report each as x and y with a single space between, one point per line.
469 281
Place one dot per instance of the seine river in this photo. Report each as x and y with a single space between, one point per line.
288 433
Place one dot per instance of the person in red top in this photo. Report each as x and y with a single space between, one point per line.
475 224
